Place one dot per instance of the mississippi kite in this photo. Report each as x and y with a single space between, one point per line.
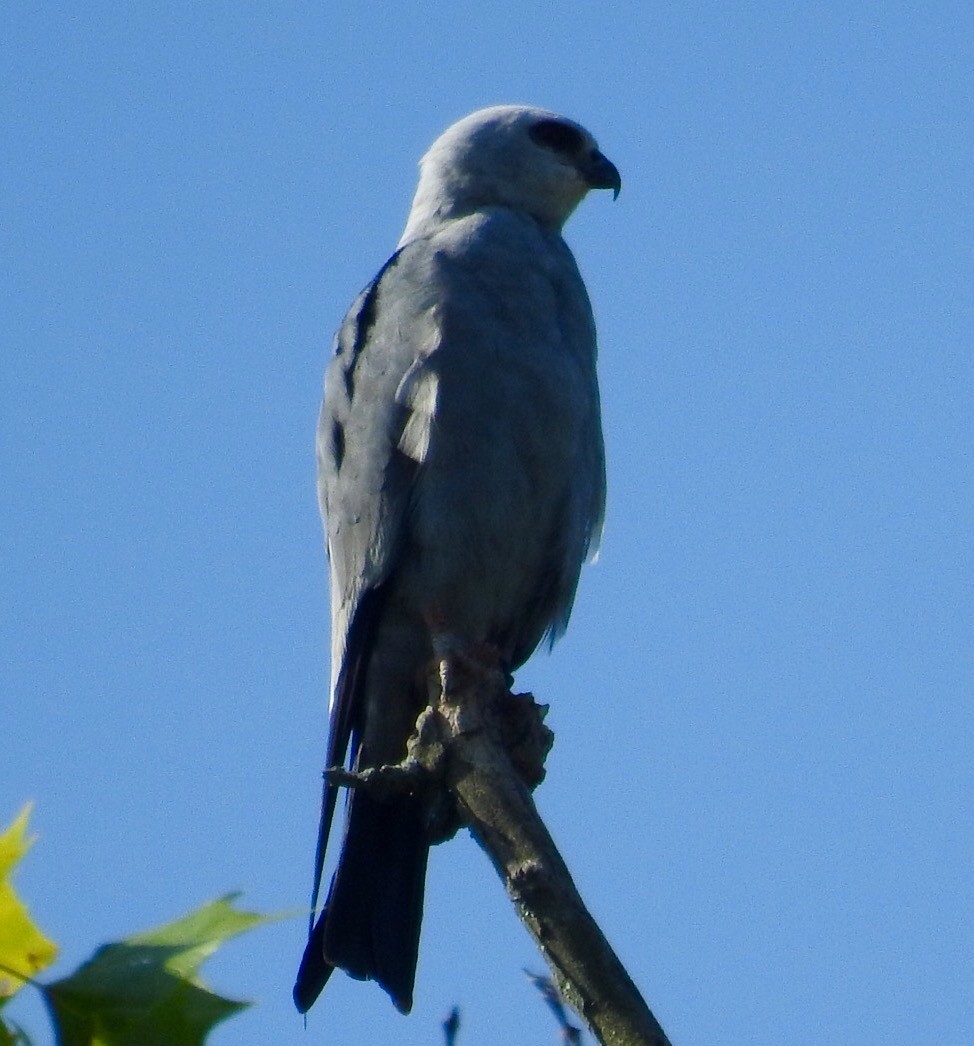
462 482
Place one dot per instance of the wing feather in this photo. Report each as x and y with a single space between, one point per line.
370 444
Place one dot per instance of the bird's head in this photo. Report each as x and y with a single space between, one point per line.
529 160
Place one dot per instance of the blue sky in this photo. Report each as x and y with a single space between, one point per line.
762 777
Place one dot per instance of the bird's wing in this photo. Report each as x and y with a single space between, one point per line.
371 403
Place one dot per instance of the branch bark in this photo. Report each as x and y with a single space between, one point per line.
497 805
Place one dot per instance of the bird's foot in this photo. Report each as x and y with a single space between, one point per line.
461 664
381 782
469 692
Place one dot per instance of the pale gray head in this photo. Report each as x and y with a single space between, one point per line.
529 160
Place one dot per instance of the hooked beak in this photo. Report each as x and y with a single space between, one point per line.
601 173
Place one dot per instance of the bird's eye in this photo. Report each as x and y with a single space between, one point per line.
557 136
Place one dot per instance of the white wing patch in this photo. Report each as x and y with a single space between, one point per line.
418 392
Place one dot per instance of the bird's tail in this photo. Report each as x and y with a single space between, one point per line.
370 923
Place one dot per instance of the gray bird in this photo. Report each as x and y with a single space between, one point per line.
462 482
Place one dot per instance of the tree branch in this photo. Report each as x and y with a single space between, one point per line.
484 743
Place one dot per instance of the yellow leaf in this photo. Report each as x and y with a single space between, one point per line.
14 842
24 950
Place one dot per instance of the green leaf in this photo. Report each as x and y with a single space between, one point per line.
143 991
198 934
24 950
13 1035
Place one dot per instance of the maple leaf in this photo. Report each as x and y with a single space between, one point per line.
24 949
144 990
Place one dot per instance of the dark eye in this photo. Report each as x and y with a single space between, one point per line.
557 136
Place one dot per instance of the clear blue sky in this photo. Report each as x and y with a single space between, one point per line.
762 778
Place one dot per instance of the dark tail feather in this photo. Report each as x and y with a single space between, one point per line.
314 971
371 921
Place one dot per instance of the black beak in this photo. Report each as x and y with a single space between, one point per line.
601 173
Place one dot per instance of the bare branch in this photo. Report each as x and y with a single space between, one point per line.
497 806
481 744
570 1035
451 1026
